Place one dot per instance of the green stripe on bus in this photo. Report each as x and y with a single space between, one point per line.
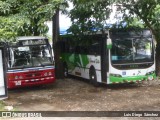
130 79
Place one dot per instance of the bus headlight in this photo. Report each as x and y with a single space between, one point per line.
50 73
45 74
115 75
20 77
16 77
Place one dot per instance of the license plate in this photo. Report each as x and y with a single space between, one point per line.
124 73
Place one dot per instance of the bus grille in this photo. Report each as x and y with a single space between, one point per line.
28 75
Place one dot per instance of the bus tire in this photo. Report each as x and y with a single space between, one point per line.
93 77
65 71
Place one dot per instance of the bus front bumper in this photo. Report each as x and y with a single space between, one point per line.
30 82
131 79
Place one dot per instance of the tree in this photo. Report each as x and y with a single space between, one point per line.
25 17
87 15
8 23
56 44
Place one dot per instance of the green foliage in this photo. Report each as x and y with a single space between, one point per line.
89 14
2 105
26 17
4 7
147 11
134 22
94 13
7 29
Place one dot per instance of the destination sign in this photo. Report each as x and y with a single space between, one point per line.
33 42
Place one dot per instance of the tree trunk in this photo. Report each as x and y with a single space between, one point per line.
158 58
56 47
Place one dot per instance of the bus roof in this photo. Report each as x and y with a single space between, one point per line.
30 37
145 32
131 32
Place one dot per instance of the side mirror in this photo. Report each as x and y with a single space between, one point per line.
109 43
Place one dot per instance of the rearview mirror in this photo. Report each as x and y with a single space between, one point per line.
109 43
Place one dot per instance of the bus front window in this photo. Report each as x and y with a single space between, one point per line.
40 55
131 51
30 56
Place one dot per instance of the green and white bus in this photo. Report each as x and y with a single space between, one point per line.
113 56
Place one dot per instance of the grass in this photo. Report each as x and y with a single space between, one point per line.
2 105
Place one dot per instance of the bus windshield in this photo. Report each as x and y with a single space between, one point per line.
29 56
132 50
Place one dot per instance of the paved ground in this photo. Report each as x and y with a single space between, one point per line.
79 95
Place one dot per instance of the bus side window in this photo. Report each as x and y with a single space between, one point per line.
94 49
78 49
71 49
84 50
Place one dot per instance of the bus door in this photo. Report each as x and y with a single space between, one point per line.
69 50
3 84
81 60
78 61
104 60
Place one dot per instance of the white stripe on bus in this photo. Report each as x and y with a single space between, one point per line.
26 70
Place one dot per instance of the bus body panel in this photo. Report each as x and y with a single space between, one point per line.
30 62
136 49
79 64
142 67
133 75
30 77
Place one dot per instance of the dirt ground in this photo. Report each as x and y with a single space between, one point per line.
74 94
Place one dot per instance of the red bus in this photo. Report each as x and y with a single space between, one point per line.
30 62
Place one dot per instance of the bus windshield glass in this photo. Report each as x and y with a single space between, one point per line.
29 56
132 50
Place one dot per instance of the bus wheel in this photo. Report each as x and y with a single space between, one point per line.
65 71
93 77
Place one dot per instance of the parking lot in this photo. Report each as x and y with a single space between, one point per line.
73 94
